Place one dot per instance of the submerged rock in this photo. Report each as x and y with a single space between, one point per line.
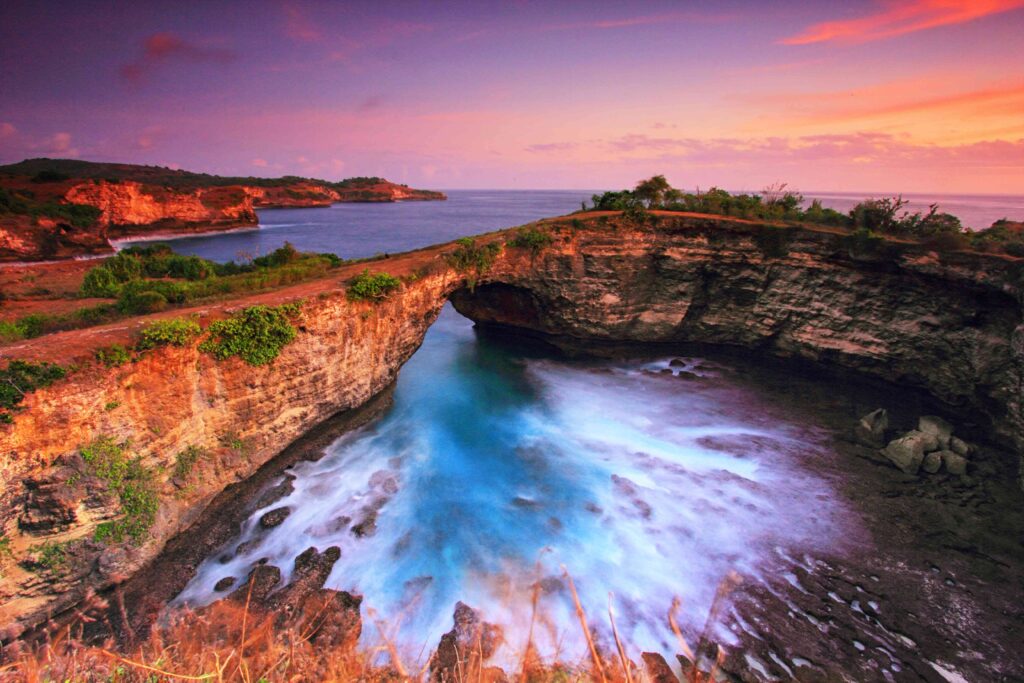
870 430
224 584
275 517
932 462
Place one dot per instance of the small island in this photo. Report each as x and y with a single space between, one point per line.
63 208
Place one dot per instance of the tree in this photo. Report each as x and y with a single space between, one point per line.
652 191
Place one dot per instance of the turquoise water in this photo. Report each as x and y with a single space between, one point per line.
499 465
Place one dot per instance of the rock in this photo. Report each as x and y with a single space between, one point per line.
224 584
932 462
677 363
686 374
932 424
907 452
959 446
955 464
657 668
462 651
262 580
870 430
274 517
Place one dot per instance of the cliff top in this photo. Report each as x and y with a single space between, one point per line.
59 170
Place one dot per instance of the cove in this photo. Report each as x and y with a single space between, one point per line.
500 464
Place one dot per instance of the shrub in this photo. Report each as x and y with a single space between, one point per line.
531 238
141 302
20 378
101 282
126 476
173 332
279 257
186 460
371 286
113 356
256 335
469 257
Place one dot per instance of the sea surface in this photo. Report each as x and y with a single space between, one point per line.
501 467
361 230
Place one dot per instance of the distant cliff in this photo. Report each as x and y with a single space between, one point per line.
60 208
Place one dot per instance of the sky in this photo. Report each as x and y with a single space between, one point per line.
845 95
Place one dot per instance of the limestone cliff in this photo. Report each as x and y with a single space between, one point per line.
129 208
947 323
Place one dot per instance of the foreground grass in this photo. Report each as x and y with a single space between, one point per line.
227 642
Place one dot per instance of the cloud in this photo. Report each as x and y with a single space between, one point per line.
58 144
262 163
640 20
162 48
7 129
879 149
896 18
298 26
369 104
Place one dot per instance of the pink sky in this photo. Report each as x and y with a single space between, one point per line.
915 96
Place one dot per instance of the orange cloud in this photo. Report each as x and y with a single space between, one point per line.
899 18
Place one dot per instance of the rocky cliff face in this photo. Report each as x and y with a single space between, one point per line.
128 206
950 324
239 416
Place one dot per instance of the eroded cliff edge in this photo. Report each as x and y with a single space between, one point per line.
947 323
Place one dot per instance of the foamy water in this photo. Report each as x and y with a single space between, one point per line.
496 468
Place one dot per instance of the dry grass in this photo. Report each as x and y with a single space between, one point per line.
229 642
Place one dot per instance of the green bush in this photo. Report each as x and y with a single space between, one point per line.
256 334
100 282
20 378
172 332
471 258
51 556
371 286
133 483
141 302
531 238
113 356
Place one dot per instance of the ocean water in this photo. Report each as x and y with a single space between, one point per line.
360 230
500 468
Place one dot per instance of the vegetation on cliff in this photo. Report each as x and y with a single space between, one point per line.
20 378
473 259
887 216
373 287
532 238
256 334
131 481
24 203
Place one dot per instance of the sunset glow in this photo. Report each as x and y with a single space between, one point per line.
923 95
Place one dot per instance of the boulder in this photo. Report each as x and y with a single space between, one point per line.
959 446
462 651
907 452
677 363
870 430
658 670
955 464
932 424
932 462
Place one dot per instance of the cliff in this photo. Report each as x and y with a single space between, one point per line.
60 208
950 324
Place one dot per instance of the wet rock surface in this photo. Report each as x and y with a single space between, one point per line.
465 649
